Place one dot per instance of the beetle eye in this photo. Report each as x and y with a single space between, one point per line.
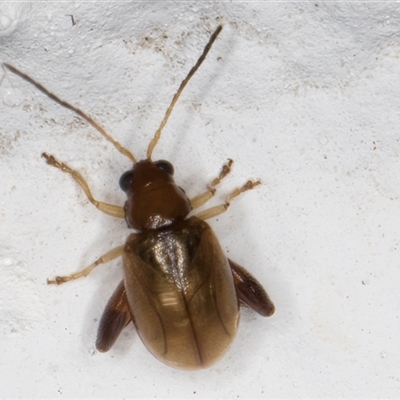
165 166
126 180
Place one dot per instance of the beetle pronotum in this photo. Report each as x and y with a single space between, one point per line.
179 289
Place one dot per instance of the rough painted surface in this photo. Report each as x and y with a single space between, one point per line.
304 96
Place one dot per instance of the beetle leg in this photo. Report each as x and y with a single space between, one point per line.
110 209
250 291
105 258
216 210
203 198
115 317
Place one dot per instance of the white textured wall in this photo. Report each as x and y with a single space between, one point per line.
305 96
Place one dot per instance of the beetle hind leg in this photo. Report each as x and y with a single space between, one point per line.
115 317
109 209
250 291
203 198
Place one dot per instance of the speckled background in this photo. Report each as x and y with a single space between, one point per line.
303 95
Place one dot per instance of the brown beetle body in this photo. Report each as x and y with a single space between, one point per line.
179 289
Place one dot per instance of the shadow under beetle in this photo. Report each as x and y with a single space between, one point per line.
179 289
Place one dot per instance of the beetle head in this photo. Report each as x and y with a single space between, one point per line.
154 200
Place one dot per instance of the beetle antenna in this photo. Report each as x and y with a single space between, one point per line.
76 110
157 135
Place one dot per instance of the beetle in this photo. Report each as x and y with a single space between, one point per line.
179 289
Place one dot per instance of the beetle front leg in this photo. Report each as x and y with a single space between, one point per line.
110 209
203 198
250 291
105 258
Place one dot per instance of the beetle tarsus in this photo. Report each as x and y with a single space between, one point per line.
250 184
221 208
203 198
226 169
58 280
110 209
105 258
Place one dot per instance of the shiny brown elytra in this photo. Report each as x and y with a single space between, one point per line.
179 289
